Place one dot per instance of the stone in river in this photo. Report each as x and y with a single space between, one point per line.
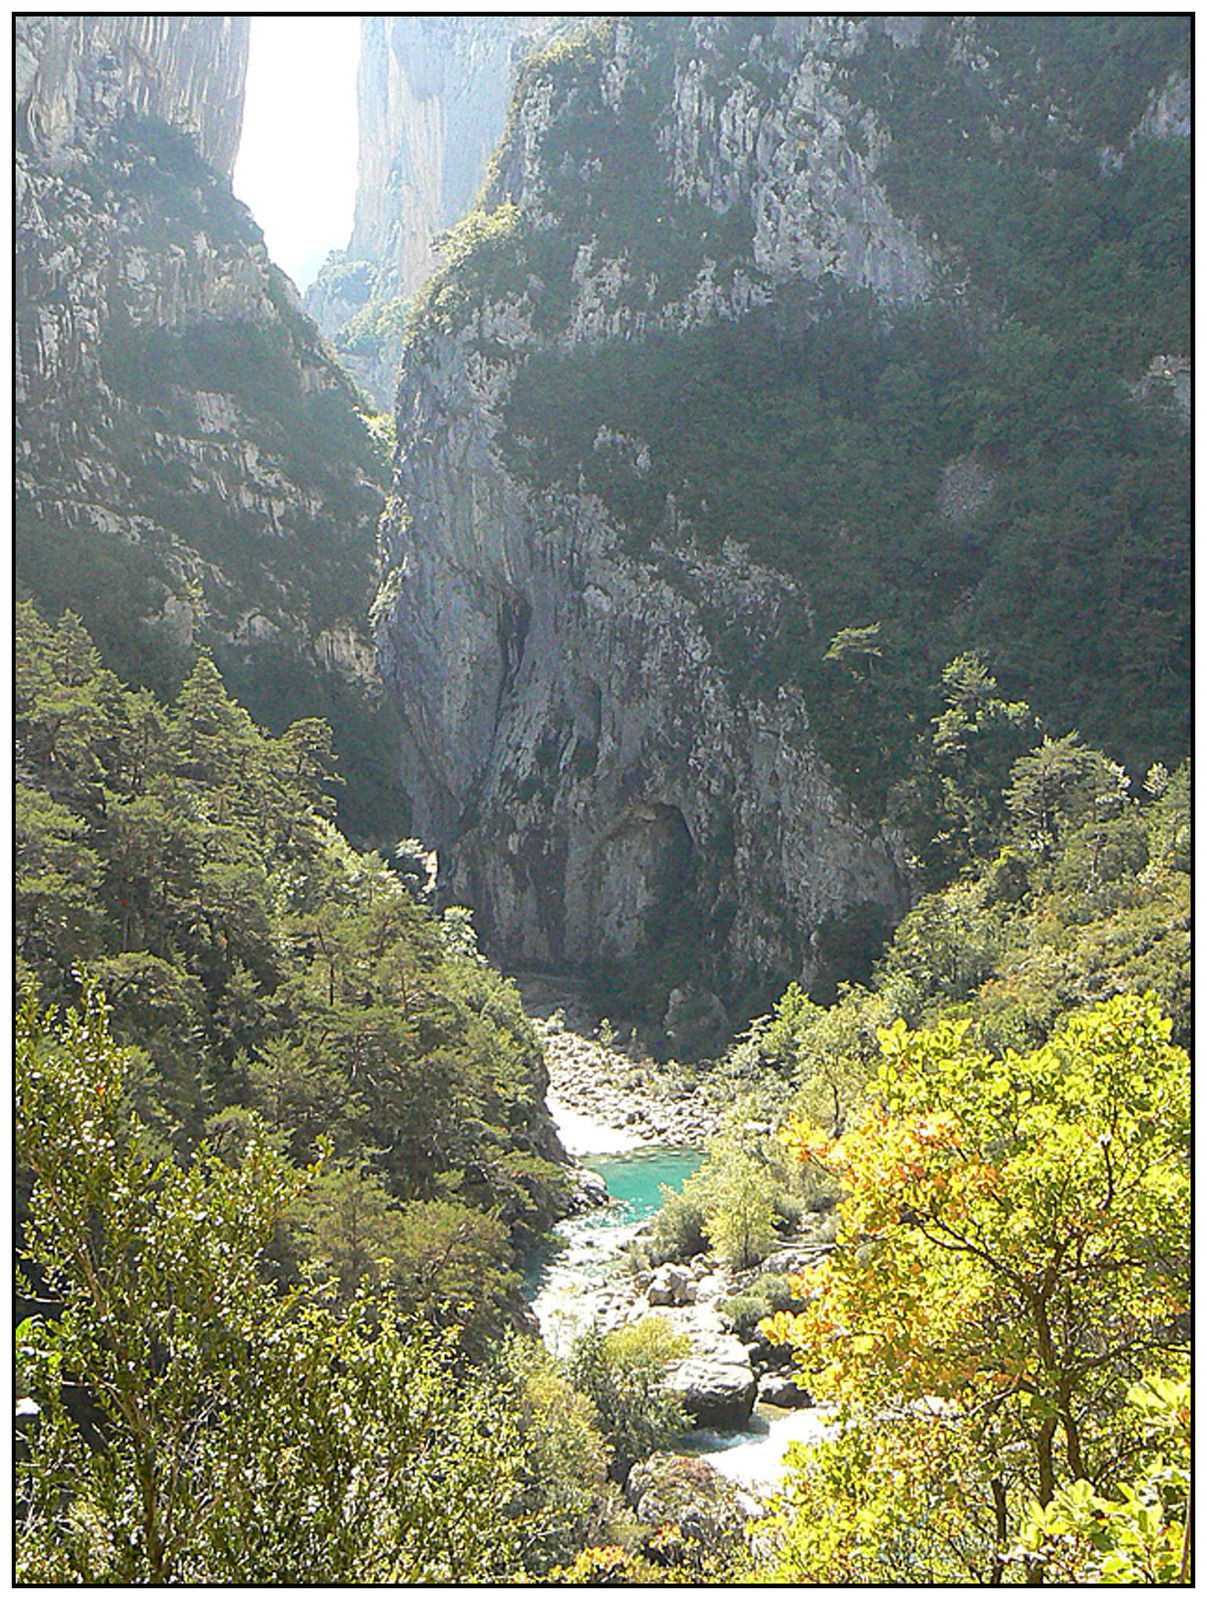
718 1387
782 1389
671 1286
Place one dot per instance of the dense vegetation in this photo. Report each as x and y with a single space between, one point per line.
142 523
1005 1324
276 1165
187 860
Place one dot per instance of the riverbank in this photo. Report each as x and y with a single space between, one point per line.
605 1095
747 1407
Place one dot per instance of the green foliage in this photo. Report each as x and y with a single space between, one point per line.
733 1203
1089 898
447 1265
678 1225
623 1374
952 802
1140 1534
768 1293
257 961
375 328
1014 179
566 1499
740 1225
855 649
238 1434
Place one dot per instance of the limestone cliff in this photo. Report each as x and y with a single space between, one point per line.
596 784
432 95
612 687
190 469
74 74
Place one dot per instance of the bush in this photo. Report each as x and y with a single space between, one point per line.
769 1293
678 1231
624 1374
744 1312
740 1224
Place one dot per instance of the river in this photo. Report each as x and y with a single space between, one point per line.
572 1285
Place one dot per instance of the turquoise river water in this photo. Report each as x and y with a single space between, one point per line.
635 1179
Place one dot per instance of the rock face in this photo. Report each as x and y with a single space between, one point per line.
190 470
1169 109
74 74
603 729
575 745
432 94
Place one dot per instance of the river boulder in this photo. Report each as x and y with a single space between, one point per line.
717 1386
688 1492
782 1389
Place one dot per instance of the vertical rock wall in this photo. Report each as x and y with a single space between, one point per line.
73 74
190 470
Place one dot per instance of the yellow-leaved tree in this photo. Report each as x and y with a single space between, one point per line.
1013 1261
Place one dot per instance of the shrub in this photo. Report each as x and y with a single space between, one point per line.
678 1232
624 1374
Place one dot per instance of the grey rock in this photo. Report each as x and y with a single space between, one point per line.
590 1190
576 749
688 1492
1167 382
73 74
696 1022
966 487
717 1386
671 1285
1169 111
432 96
794 1258
782 1389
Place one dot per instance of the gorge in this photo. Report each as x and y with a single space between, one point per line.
715 548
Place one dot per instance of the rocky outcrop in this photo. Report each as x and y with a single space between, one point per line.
1169 110
75 74
604 725
781 1389
593 777
1167 382
671 1285
190 470
967 487
689 1494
